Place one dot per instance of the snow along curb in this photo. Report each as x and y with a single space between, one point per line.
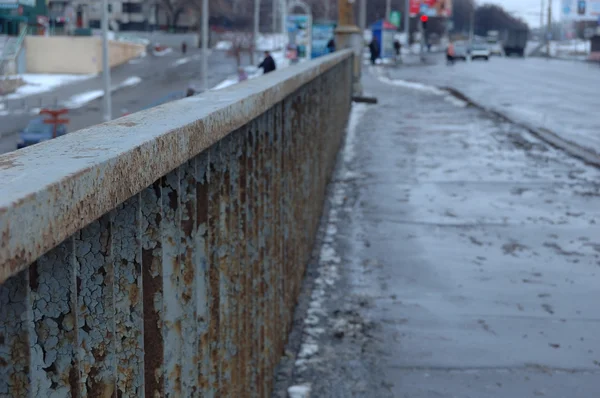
585 154
452 94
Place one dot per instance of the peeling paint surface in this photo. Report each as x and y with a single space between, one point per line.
129 349
14 335
95 309
181 252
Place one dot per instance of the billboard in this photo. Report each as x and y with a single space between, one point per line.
322 33
299 34
432 8
580 10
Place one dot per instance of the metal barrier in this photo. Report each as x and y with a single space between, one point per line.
161 254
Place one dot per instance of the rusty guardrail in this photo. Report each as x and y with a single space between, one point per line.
161 254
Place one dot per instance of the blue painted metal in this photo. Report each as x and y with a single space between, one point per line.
161 254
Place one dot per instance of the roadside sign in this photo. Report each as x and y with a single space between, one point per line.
54 118
57 121
395 18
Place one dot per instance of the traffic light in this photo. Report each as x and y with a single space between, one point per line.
424 19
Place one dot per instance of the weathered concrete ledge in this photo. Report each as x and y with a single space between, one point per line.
51 190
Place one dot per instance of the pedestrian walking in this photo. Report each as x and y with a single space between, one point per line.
183 48
242 75
374 49
450 54
331 45
268 64
398 49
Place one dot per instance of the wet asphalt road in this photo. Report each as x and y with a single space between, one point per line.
460 258
161 76
561 96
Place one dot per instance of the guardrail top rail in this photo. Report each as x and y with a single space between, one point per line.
160 254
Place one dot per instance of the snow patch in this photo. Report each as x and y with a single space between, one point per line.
456 101
299 391
180 61
413 85
130 81
79 100
224 45
425 88
329 259
308 350
358 110
41 83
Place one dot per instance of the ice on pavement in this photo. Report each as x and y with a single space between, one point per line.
41 83
299 391
425 88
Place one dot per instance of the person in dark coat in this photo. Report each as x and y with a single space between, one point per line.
331 45
268 64
374 48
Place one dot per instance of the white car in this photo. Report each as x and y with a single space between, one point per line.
480 51
496 49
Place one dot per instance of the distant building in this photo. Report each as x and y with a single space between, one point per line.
124 15
14 15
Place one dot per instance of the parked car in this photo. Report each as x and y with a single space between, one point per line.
38 131
480 51
461 51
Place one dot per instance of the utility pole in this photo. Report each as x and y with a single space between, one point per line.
106 63
205 45
549 26
388 9
274 16
362 16
256 28
407 21
472 29
542 17
284 12
327 9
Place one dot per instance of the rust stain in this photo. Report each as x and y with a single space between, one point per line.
9 161
126 124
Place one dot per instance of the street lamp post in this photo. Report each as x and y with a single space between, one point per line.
472 28
407 21
256 27
388 9
205 45
348 35
106 63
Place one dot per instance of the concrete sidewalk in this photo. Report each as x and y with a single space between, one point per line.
459 258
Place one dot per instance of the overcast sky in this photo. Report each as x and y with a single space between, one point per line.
529 10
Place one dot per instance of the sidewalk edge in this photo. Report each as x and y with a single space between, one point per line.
585 154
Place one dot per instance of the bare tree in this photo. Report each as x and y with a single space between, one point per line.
173 9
